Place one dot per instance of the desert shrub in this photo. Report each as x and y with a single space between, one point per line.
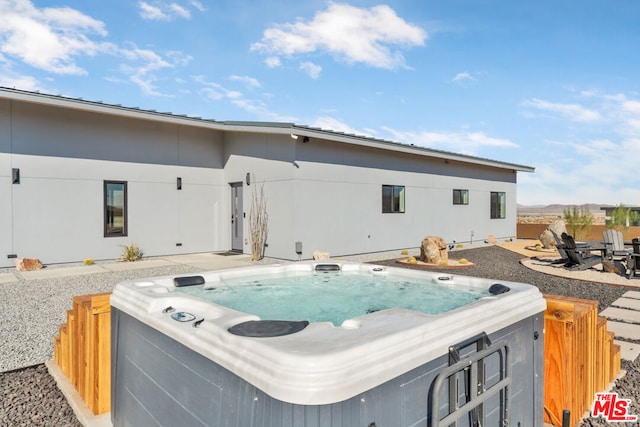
89 261
578 221
463 261
404 252
130 253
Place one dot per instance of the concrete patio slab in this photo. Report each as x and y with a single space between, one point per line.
138 265
51 273
628 350
630 316
210 261
631 303
624 330
8 278
632 294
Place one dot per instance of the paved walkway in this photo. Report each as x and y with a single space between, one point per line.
203 261
624 320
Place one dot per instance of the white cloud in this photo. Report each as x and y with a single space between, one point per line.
180 11
143 63
331 123
250 82
198 5
152 13
48 38
573 112
216 92
349 33
9 78
161 11
462 77
604 158
631 107
458 142
273 62
311 69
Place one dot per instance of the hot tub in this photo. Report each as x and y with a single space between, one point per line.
180 359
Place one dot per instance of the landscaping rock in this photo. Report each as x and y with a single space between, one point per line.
27 264
434 250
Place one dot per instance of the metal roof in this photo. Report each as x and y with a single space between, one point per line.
245 126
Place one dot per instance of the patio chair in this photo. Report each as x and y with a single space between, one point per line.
614 244
633 258
579 258
582 248
560 247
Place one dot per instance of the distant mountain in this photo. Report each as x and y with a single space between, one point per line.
557 209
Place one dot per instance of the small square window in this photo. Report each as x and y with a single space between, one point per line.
460 197
393 199
498 205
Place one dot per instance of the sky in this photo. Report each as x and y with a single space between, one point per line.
553 84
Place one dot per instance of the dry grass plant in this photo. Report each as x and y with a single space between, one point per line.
130 253
258 222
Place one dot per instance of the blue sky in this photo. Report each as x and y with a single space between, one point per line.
549 84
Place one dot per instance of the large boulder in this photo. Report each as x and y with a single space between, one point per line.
547 239
27 264
433 250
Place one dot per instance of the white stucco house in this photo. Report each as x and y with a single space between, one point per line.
78 179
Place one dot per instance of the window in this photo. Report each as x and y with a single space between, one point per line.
498 204
460 197
392 199
115 208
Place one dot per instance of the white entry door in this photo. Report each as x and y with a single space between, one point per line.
237 217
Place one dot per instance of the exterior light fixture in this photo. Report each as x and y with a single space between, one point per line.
305 139
294 136
179 183
248 178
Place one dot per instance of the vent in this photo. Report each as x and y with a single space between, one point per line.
327 267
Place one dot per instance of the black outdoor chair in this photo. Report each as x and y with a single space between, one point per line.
633 259
580 258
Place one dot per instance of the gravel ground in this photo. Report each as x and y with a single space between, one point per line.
31 312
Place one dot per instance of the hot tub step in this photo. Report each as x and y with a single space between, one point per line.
82 349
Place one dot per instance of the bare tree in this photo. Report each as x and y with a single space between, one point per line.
258 222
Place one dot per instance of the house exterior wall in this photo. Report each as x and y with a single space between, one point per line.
269 159
56 212
325 193
338 200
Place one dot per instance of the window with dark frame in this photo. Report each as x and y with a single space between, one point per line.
498 204
115 208
393 198
460 197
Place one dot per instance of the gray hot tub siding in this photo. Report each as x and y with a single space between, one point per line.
156 381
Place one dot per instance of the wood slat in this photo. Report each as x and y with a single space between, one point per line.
82 349
580 357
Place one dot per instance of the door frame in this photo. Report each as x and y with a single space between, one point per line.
237 217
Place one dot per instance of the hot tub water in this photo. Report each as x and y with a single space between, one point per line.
333 296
